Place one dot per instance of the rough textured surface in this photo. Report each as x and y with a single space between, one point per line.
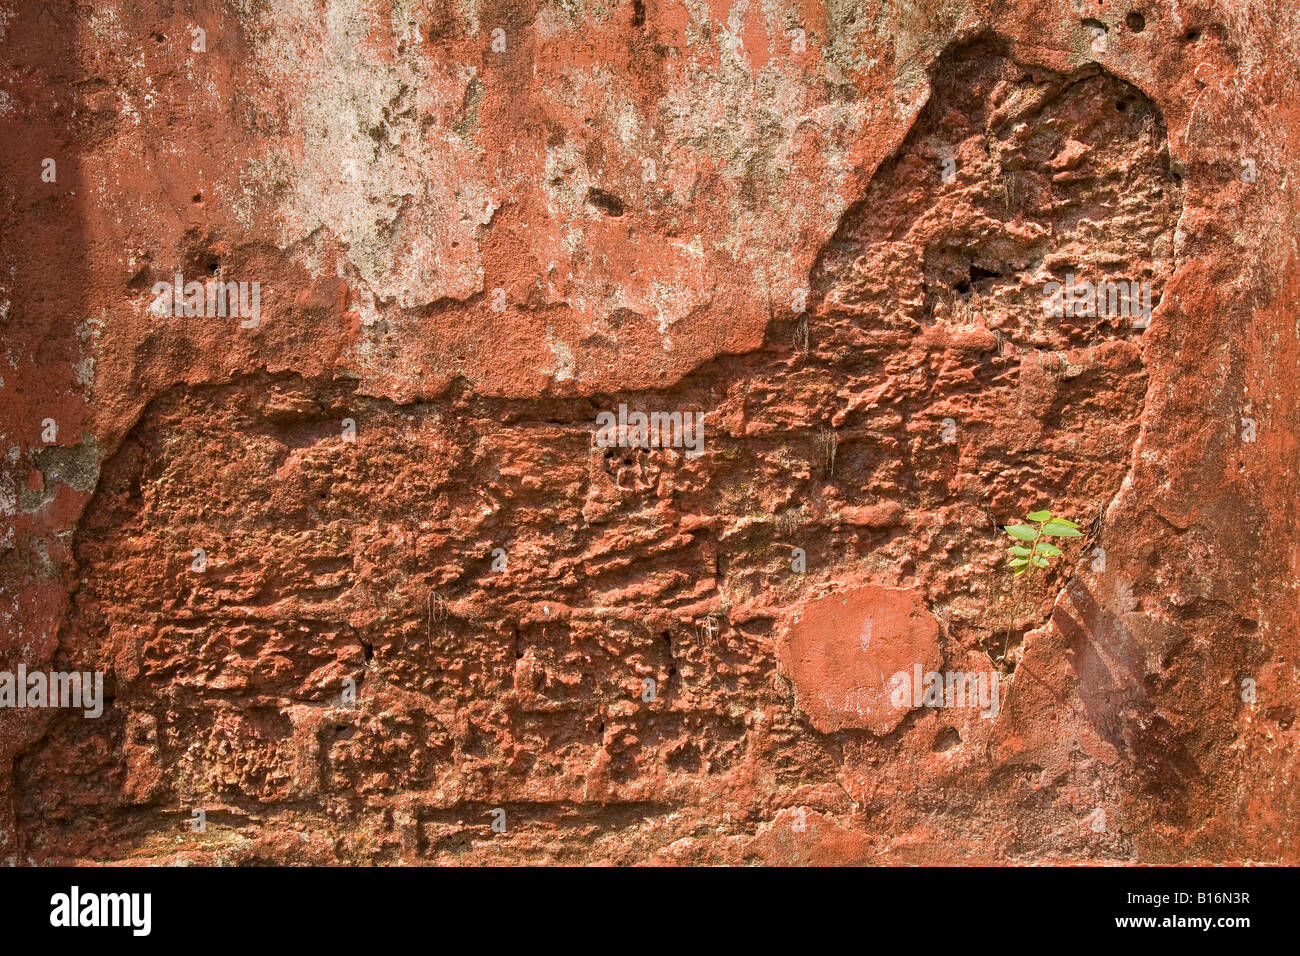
471 252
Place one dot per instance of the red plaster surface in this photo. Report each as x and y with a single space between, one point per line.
843 650
471 253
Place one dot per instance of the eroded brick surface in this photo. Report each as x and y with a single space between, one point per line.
638 655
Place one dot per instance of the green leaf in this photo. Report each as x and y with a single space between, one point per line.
1064 521
1054 530
1039 560
1019 550
1020 571
1017 562
1050 550
1038 516
1021 531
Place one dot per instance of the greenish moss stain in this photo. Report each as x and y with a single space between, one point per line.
469 112
77 467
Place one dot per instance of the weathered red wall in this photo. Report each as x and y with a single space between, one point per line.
650 186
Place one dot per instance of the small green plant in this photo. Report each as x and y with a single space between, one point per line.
1033 550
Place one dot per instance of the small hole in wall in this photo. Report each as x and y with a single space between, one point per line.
196 198
1191 36
1136 22
368 651
213 267
946 740
606 202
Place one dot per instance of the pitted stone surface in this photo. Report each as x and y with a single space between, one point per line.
470 249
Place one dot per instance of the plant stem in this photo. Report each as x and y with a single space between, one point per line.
1029 571
1006 641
